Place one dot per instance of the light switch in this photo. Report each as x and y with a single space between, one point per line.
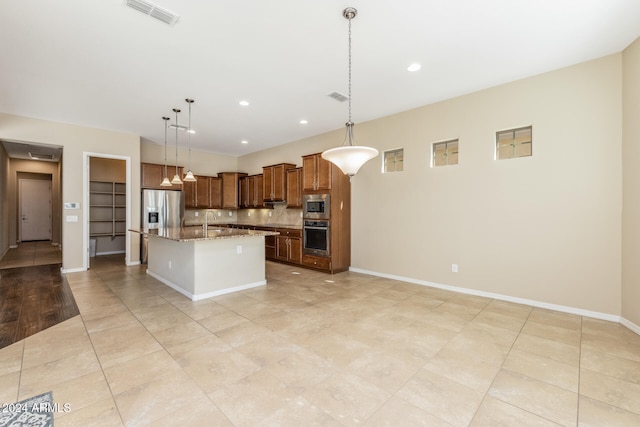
72 218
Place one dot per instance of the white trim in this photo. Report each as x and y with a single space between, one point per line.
533 303
71 270
13 247
198 297
133 263
630 325
110 253
85 208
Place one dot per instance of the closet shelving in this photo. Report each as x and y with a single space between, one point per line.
107 209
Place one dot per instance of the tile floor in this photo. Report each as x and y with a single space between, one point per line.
313 349
32 253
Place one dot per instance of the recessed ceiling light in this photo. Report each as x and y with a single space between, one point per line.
414 67
303 122
244 103
244 141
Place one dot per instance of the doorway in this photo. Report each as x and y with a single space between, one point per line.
35 209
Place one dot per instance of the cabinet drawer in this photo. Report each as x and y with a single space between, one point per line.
316 262
289 232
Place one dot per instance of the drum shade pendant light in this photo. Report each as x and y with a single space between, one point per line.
165 181
349 158
189 176
176 178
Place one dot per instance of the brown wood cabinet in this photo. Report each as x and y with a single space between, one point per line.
215 192
151 175
251 191
294 188
231 189
197 194
289 245
316 173
275 182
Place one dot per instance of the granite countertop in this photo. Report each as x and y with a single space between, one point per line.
247 224
188 234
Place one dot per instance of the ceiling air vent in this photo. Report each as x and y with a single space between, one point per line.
154 11
338 96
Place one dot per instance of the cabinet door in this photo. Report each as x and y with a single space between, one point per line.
295 249
309 173
231 189
215 193
258 188
267 183
152 174
282 247
202 192
323 173
279 180
294 193
244 184
189 189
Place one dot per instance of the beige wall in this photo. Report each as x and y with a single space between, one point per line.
4 197
202 162
631 185
545 228
17 168
76 141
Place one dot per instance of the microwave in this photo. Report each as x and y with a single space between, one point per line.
316 206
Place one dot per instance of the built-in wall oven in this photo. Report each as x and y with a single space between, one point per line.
316 206
316 237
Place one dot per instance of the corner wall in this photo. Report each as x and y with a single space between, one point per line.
546 228
631 184
77 140
4 201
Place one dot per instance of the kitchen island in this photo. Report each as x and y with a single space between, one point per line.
202 263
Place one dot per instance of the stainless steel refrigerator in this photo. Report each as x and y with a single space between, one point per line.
160 209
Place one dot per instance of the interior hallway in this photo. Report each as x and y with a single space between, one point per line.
32 253
314 349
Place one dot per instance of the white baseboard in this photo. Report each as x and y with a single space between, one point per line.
72 270
131 264
630 325
110 253
198 297
533 303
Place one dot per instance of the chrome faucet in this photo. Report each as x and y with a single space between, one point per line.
205 226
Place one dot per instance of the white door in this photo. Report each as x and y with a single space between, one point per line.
35 210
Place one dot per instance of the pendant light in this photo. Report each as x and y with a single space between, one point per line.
165 181
349 158
189 176
176 178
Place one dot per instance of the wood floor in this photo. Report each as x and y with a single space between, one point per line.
32 297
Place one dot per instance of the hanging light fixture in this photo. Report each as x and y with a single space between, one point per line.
189 176
165 181
176 178
349 158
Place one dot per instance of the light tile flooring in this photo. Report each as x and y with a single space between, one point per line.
313 349
31 253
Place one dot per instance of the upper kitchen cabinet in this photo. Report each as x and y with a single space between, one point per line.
152 174
231 189
316 173
215 192
251 188
294 188
197 193
275 182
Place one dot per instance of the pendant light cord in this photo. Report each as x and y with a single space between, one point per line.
350 14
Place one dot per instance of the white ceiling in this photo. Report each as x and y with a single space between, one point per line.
101 64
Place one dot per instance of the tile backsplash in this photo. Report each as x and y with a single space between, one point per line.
278 215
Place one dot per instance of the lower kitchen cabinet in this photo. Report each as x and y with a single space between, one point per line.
289 246
316 262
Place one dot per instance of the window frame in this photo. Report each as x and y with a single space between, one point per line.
393 151
446 142
513 131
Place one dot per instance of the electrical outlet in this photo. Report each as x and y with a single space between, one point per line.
196 213
454 268
270 214
230 213
169 265
219 213
239 249
249 213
